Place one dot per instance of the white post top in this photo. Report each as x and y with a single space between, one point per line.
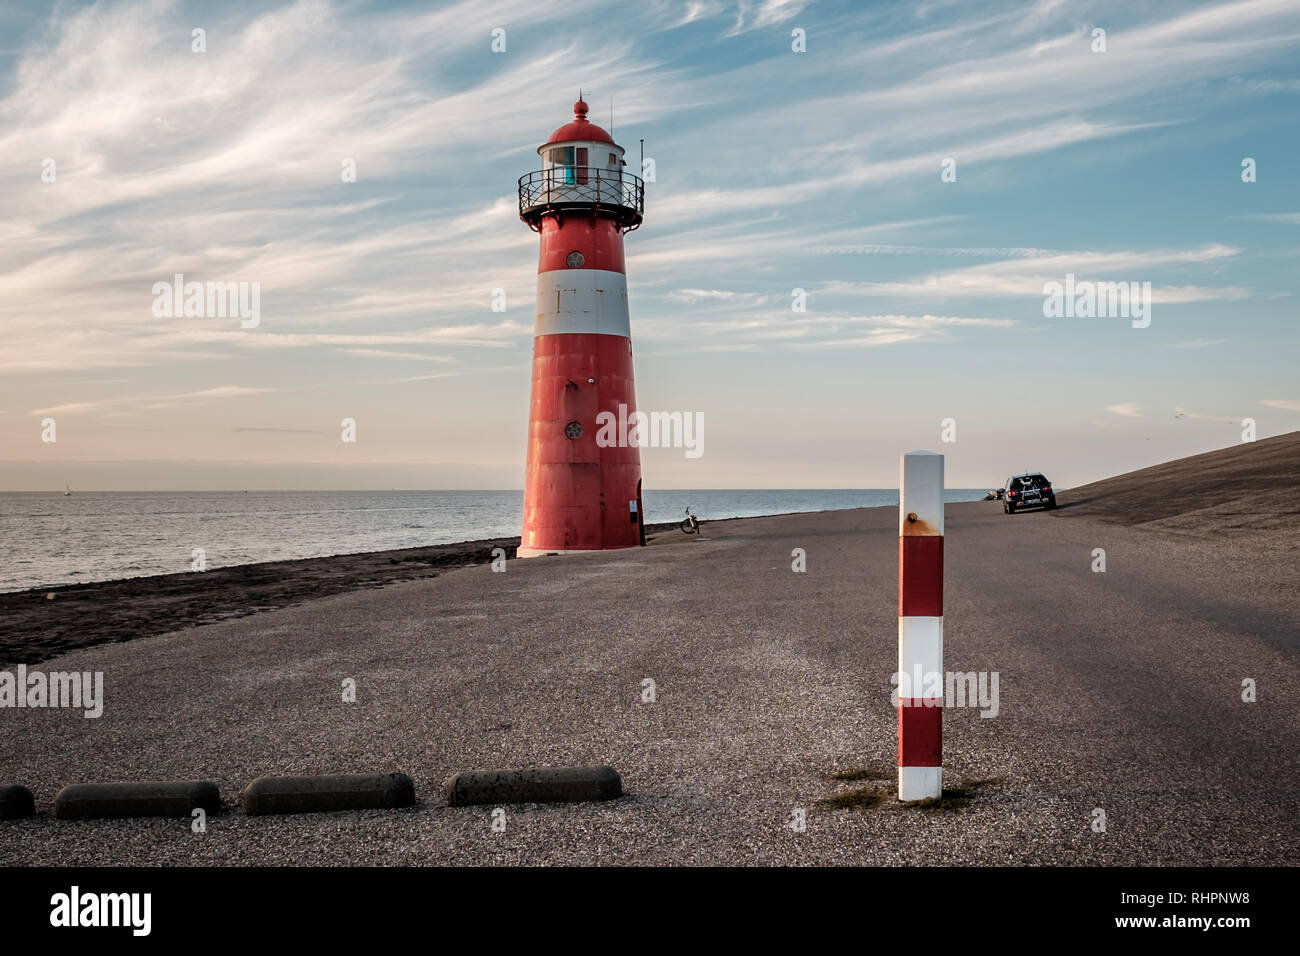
920 493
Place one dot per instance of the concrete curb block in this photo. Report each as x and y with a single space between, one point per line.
545 785
16 802
321 794
172 798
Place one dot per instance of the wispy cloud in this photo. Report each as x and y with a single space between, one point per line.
158 400
757 14
1181 412
389 354
69 408
224 391
1026 275
1293 218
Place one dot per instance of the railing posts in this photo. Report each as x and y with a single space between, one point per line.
549 186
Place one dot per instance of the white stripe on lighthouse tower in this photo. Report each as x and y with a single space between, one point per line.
591 301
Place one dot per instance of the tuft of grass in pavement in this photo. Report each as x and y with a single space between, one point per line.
861 773
864 798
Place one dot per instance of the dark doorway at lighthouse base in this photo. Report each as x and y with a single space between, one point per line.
640 514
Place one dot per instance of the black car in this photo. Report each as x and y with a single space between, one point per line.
1030 490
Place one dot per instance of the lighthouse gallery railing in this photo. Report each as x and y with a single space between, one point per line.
565 185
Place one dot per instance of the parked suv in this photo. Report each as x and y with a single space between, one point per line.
1030 490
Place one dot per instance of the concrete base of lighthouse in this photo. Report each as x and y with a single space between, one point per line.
547 552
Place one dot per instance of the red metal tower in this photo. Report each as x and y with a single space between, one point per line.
580 494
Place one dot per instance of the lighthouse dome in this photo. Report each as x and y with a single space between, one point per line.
582 169
580 129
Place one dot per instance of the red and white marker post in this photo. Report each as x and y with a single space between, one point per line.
920 626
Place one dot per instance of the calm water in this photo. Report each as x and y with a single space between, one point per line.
48 539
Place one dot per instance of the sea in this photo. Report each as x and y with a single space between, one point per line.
52 538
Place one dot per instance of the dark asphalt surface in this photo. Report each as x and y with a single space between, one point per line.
1119 691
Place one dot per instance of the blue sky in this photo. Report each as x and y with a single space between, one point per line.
775 170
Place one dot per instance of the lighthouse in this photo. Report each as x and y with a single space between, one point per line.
581 493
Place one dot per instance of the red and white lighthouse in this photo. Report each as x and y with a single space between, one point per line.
581 494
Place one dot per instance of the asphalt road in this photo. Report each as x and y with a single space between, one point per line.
1118 691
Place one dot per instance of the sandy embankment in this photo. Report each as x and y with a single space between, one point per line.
35 627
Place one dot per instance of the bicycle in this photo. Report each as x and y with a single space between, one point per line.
691 524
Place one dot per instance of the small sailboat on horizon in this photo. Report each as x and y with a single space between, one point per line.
67 490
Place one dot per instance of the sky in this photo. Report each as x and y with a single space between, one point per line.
126 157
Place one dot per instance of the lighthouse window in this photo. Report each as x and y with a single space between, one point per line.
613 159
561 159
582 165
